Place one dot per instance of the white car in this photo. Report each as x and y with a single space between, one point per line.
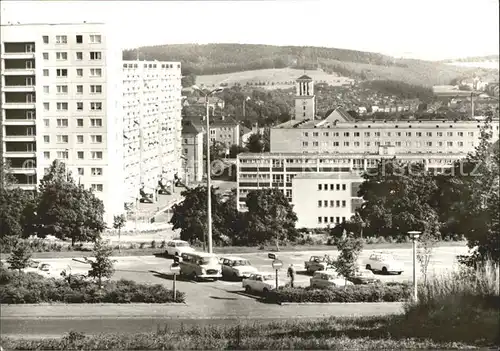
384 262
237 267
259 282
39 268
178 247
328 279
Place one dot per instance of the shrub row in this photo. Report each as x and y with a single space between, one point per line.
351 293
23 288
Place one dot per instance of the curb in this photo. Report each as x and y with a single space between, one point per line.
332 303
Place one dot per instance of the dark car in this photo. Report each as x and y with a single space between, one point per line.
363 277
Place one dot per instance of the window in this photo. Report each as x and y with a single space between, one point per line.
96 139
320 187
95 39
346 134
96 155
337 203
79 89
79 122
46 139
46 122
62 139
97 187
62 72
62 106
398 134
439 134
46 89
45 55
338 186
62 89
460 134
79 155
332 203
97 106
62 122
460 144
449 143
96 72
356 134
79 106
79 139
440 143
344 187
315 143
96 171
449 134
346 143
79 55
320 203
46 106
428 143
61 55
96 89
79 72
367 134
408 134
46 155
344 203
96 122
471 134
45 39
79 39
320 219
429 134
80 171
367 143
45 72
377 134
61 39
398 143
62 154
336 143
95 55
419 134
356 143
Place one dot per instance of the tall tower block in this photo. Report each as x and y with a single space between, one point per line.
304 98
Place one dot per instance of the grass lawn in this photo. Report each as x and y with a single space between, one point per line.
147 250
368 333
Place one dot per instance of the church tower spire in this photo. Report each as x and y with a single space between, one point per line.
304 98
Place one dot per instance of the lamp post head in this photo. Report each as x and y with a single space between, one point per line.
414 234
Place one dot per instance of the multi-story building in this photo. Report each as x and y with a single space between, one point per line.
152 124
63 98
192 148
318 163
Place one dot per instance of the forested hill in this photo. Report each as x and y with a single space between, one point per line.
228 58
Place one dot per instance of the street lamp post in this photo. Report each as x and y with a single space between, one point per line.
209 185
414 236
245 106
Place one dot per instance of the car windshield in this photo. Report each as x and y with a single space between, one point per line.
241 263
181 244
387 257
318 259
208 260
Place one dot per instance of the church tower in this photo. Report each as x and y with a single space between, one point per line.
304 99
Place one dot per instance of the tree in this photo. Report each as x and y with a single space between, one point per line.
270 216
474 184
349 248
20 257
258 142
102 265
234 150
67 210
426 245
398 198
16 212
188 80
118 224
190 216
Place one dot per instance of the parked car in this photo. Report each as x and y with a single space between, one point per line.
363 276
316 263
178 247
200 265
237 267
384 262
259 282
39 268
328 279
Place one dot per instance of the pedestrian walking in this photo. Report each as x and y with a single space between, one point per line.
291 274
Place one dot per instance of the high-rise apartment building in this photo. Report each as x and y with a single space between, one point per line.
68 95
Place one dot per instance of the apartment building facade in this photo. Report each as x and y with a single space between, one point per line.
192 146
66 95
318 164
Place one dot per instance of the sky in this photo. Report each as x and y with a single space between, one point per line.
422 29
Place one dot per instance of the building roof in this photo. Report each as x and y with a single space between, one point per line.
304 77
223 123
253 155
340 115
189 128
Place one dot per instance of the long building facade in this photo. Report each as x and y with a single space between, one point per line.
67 95
318 164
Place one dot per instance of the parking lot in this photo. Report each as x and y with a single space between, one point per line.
225 293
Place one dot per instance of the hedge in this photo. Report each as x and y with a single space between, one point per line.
24 288
351 293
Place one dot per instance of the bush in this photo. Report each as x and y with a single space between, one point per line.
356 293
33 288
462 304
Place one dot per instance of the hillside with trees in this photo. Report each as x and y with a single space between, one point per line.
228 58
